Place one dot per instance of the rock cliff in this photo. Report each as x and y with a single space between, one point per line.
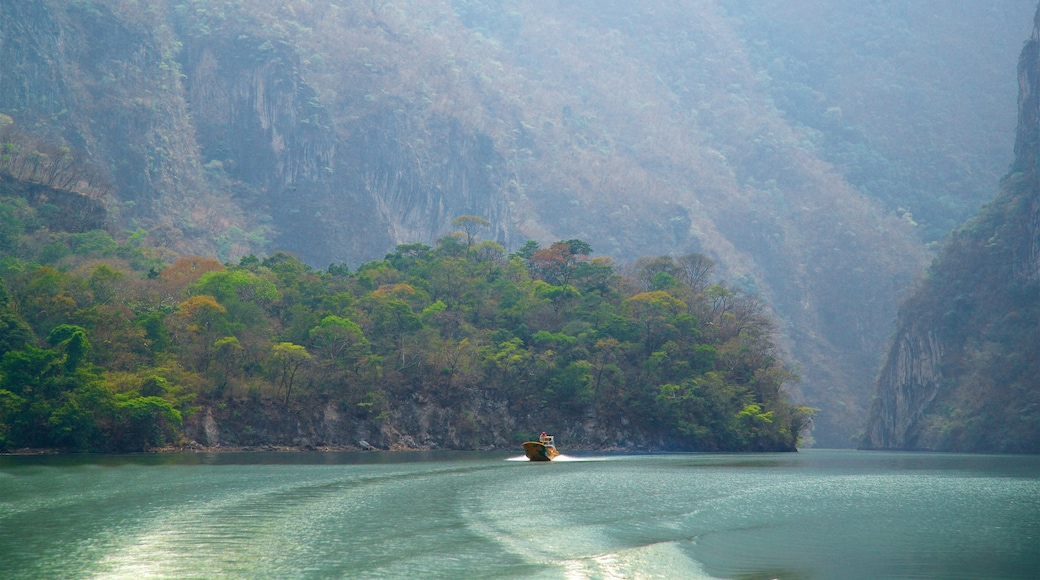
963 373
475 422
72 212
336 130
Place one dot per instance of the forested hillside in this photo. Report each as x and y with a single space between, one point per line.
963 373
459 345
810 148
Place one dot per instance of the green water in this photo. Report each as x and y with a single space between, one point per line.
814 514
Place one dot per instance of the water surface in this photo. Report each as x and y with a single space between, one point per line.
814 514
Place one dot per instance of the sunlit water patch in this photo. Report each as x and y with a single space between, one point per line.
452 515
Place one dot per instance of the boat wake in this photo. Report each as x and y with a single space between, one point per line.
660 560
561 458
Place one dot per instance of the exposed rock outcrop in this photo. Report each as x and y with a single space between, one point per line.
264 126
477 422
75 213
963 373
913 374
337 130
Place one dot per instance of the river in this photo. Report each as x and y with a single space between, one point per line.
813 514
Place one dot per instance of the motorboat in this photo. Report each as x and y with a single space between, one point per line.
542 450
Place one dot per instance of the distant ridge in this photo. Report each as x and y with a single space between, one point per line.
813 149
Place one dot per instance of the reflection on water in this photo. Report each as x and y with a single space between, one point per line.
817 514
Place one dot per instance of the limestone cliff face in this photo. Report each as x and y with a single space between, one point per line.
255 113
215 140
261 131
913 376
474 422
963 373
1027 148
417 189
106 82
336 130
336 187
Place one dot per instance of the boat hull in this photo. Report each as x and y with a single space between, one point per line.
535 451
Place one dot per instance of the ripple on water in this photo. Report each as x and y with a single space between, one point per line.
691 516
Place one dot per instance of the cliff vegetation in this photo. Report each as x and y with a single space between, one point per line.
106 347
963 373
811 148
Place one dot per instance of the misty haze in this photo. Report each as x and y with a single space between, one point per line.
450 225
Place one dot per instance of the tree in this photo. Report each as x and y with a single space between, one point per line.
511 362
339 341
491 254
242 292
203 311
72 340
290 358
645 270
407 256
573 386
155 331
27 372
228 349
185 271
529 249
695 271
75 421
104 282
556 264
203 320
721 299
654 310
12 409
14 332
470 225
556 295
144 422
11 224
455 320
48 296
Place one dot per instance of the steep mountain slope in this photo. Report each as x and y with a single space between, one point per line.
887 93
337 130
964 371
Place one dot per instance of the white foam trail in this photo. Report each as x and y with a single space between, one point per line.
570 458
562 458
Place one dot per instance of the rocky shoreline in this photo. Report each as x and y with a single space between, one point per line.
321 424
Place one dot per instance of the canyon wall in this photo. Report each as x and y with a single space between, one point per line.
963 373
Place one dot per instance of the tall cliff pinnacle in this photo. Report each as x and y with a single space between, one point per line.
963 372
1027 141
